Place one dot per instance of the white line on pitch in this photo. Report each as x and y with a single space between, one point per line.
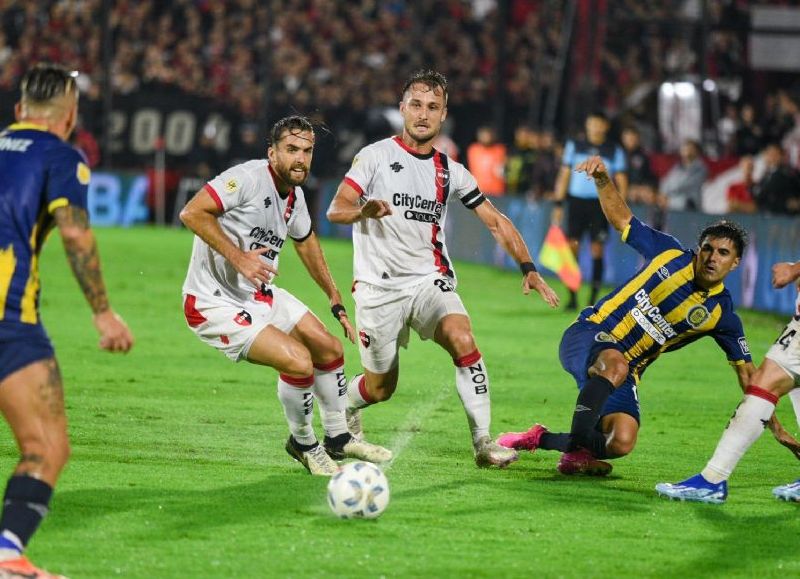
413 424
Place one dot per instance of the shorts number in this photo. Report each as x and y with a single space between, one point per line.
443 284
786 338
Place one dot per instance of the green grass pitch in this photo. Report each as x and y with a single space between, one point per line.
178 467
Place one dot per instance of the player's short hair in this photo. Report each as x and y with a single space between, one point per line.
598 114
47 81
292 125
430 78
725 229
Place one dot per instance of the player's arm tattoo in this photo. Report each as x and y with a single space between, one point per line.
81 249
601 180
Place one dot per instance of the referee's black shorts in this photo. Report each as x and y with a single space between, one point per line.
586 215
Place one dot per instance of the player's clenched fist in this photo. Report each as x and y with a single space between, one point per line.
376 208
115 336
251 266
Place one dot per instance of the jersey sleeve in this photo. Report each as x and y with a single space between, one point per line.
620 161
648 241
231 188
67 179
464 185
729 335
362 171
568 157
299 225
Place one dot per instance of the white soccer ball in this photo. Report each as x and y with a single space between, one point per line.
358 491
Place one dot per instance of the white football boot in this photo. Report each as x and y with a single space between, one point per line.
316 460
488 453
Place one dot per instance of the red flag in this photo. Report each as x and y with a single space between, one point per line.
556 255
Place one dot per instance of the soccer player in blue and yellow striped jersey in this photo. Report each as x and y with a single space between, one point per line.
676 298
44 185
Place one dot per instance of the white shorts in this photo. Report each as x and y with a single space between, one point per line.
785 352
231 328
384 317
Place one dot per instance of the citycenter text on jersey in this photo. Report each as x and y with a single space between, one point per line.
418 202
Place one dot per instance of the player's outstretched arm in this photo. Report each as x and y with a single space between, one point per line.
511 241
345 207
614 207
200 216
310 252
785 273
84 259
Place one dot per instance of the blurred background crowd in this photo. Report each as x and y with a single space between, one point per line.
706 124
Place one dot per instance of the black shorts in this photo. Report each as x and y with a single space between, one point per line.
21 345
586 215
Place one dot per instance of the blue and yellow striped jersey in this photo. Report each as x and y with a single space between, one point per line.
38 173
661 309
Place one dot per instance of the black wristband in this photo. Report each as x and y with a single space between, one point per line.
527 267
337 310
558 203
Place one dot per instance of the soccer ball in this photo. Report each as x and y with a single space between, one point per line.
358 491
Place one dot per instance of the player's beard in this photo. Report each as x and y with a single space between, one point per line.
422 140
290 178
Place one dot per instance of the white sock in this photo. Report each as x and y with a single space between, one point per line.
330 389
794 396
297 400
357 396
472 383
743 430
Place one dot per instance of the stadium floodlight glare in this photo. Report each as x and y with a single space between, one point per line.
684 90
667 90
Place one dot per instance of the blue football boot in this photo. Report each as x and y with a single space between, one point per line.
790 492
696 489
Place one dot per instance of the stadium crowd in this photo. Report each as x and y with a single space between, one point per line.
338 61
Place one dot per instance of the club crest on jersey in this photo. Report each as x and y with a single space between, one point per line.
663 273
396 167
697 316
243 318
442 177
231 185
84 174
604 337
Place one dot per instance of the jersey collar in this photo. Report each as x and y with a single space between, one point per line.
23 126
275 182
411 151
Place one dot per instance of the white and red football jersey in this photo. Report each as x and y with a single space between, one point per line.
254 216
397 250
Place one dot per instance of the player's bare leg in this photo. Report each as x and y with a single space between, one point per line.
293 361
32 401
454 334
621 431
330 389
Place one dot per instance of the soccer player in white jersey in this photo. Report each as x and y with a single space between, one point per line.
778 375
241 219
396 196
